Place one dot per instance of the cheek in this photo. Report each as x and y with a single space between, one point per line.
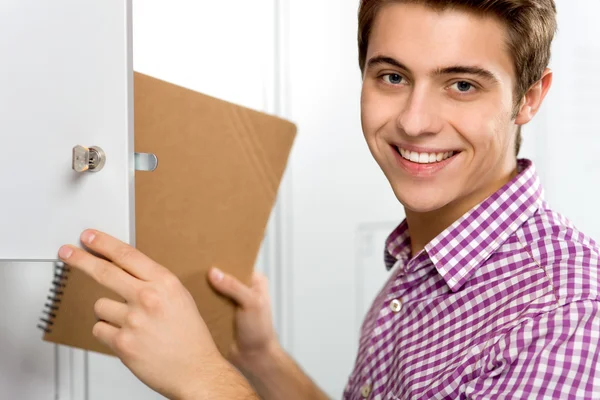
497 138
376 112
480 129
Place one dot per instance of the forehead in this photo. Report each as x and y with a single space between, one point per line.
426 39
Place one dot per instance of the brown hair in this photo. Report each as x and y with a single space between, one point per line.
531 27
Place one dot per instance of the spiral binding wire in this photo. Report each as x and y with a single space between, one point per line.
61 272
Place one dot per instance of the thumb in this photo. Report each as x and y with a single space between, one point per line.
231 287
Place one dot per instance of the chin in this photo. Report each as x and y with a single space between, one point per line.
421 201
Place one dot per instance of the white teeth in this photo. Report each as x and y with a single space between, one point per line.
425 158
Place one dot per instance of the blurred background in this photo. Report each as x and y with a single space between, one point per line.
323 248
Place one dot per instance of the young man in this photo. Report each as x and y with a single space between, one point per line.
492 294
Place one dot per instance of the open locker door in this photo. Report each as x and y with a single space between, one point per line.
65 86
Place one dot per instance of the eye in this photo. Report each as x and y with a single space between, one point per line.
392 79
463 86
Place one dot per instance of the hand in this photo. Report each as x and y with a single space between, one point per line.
255 336
157 332
256 352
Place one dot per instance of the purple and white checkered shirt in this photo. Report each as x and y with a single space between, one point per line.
502 304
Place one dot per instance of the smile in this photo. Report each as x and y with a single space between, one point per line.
425 158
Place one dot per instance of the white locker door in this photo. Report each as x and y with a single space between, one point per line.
65 80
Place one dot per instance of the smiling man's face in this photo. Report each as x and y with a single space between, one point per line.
438 105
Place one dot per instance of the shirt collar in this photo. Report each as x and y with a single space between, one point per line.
459 250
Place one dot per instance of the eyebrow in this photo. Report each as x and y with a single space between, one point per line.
451 70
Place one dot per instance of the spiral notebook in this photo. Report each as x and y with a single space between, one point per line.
208 203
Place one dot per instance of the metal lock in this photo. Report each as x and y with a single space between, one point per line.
88 159
93 159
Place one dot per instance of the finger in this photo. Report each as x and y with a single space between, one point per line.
102 271
231 287
105 333
123 255
113 312
260 281
260 284
257 278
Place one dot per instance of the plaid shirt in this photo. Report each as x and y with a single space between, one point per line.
502 304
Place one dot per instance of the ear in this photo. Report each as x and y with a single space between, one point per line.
533 98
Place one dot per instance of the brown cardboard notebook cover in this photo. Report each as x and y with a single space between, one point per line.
207 204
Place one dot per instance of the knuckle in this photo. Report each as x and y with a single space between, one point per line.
171 282
149 298
124 342
132 319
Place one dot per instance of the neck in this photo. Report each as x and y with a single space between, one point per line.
425 226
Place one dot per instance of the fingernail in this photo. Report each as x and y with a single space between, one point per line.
217 274
65 252
88 237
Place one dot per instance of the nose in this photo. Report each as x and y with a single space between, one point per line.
419 115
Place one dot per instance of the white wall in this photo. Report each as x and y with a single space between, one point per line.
298 58
340 197
339 194
570 142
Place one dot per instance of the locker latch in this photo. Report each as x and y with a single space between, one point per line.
145 162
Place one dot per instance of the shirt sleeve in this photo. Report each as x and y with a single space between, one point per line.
551 356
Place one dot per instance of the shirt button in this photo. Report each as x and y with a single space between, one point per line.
365 391
396 305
